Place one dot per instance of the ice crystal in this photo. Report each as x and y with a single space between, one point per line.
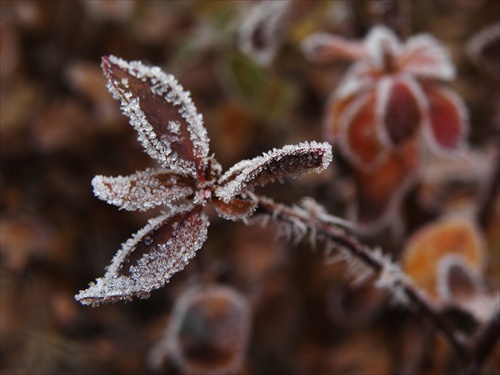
172 132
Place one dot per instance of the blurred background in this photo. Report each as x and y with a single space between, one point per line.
60 127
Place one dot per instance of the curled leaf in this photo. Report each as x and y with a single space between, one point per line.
291 160
148 260
433 253
423 56
263 28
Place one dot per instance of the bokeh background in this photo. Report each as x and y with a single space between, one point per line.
60 127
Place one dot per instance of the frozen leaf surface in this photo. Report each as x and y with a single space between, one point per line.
400 109
148 260
360 141
162 112
143 190
448 120
327 47
424 56
291 160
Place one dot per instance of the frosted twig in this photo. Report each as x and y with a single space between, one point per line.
390 275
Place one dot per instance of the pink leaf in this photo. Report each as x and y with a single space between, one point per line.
148 260
325 47
170 129
287 161
379 193
359 139
448 119
400 109
425 57
382 47
143 190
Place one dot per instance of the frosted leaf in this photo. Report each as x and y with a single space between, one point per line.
425 57
326 47
143 190
400 109
382 47
262 29
358 139
148 259
169 126
478 46
235 209
291 160
448 124
456 280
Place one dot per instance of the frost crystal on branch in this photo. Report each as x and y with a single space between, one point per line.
172 132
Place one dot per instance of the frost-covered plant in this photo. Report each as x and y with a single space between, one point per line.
399 87
391 104
187 179
172 132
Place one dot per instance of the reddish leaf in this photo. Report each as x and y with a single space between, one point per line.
287 161
166 119
399 109
360 140
326 47
235 209
148 260
425 57
358 81
382 48
379 192
428 247
448 119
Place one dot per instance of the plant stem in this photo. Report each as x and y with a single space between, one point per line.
487 199
365 254
484 344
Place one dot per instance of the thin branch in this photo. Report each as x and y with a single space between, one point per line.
487 199
484 344
369 257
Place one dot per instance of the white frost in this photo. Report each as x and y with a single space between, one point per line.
165 85
243 174
156 266
142 190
